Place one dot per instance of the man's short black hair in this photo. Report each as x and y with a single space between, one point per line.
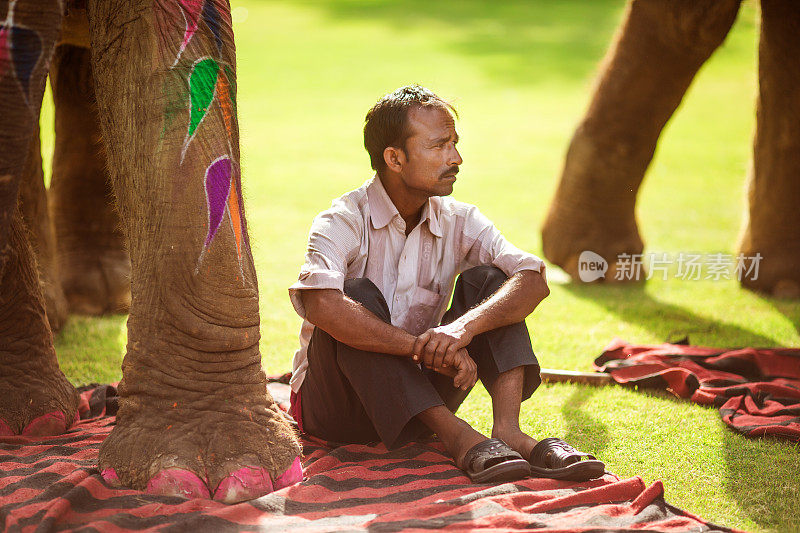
386 123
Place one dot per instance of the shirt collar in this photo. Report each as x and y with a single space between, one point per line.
433 212
382 210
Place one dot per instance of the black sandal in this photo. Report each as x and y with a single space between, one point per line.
493 460
556 459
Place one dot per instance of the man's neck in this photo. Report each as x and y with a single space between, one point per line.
408 204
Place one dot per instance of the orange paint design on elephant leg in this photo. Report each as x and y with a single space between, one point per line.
236 221
224 99
225 102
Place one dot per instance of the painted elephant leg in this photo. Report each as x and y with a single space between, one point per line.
92 260
773 228
36 398
34 206
660 46
195 417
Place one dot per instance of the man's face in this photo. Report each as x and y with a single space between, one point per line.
432 159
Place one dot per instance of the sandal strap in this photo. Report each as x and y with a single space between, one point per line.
553 452
486 450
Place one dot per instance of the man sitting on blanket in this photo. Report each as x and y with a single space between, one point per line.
380 358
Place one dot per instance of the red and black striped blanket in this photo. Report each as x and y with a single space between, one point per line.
757 391
52 484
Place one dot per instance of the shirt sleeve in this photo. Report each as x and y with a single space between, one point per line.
483 244
333 241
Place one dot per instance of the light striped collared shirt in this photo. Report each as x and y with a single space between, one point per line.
363 235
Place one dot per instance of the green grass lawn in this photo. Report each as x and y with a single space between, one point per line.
520 73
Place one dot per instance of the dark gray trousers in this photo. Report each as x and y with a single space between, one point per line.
356 396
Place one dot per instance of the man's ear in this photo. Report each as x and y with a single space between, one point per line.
394 158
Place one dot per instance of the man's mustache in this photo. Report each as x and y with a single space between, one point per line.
452 171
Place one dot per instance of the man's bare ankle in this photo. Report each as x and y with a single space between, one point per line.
512 435
501 429
465 440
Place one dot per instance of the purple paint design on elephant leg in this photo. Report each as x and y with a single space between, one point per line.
222 186
218 187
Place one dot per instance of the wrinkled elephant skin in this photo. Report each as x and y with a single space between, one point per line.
195 417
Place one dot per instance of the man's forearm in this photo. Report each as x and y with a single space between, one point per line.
511 303
349 322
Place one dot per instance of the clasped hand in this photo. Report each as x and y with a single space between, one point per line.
443 349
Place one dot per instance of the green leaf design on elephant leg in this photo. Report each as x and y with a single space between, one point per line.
202 86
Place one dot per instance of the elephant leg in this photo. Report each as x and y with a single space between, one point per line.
92 260
195 417
36 398
659 48
773 225
34 206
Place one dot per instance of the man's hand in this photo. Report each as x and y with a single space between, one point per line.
463 370
436 348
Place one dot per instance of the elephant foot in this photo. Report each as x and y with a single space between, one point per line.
96 282
246 483
35 404
54 423
776 272
592 240
232 456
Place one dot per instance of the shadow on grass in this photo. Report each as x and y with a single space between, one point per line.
513 42
584 432
788 308
668 322
764 477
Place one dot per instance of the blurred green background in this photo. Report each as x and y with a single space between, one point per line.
520 74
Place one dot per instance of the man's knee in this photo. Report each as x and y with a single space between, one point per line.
485 275
473 286
365 292
361 289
